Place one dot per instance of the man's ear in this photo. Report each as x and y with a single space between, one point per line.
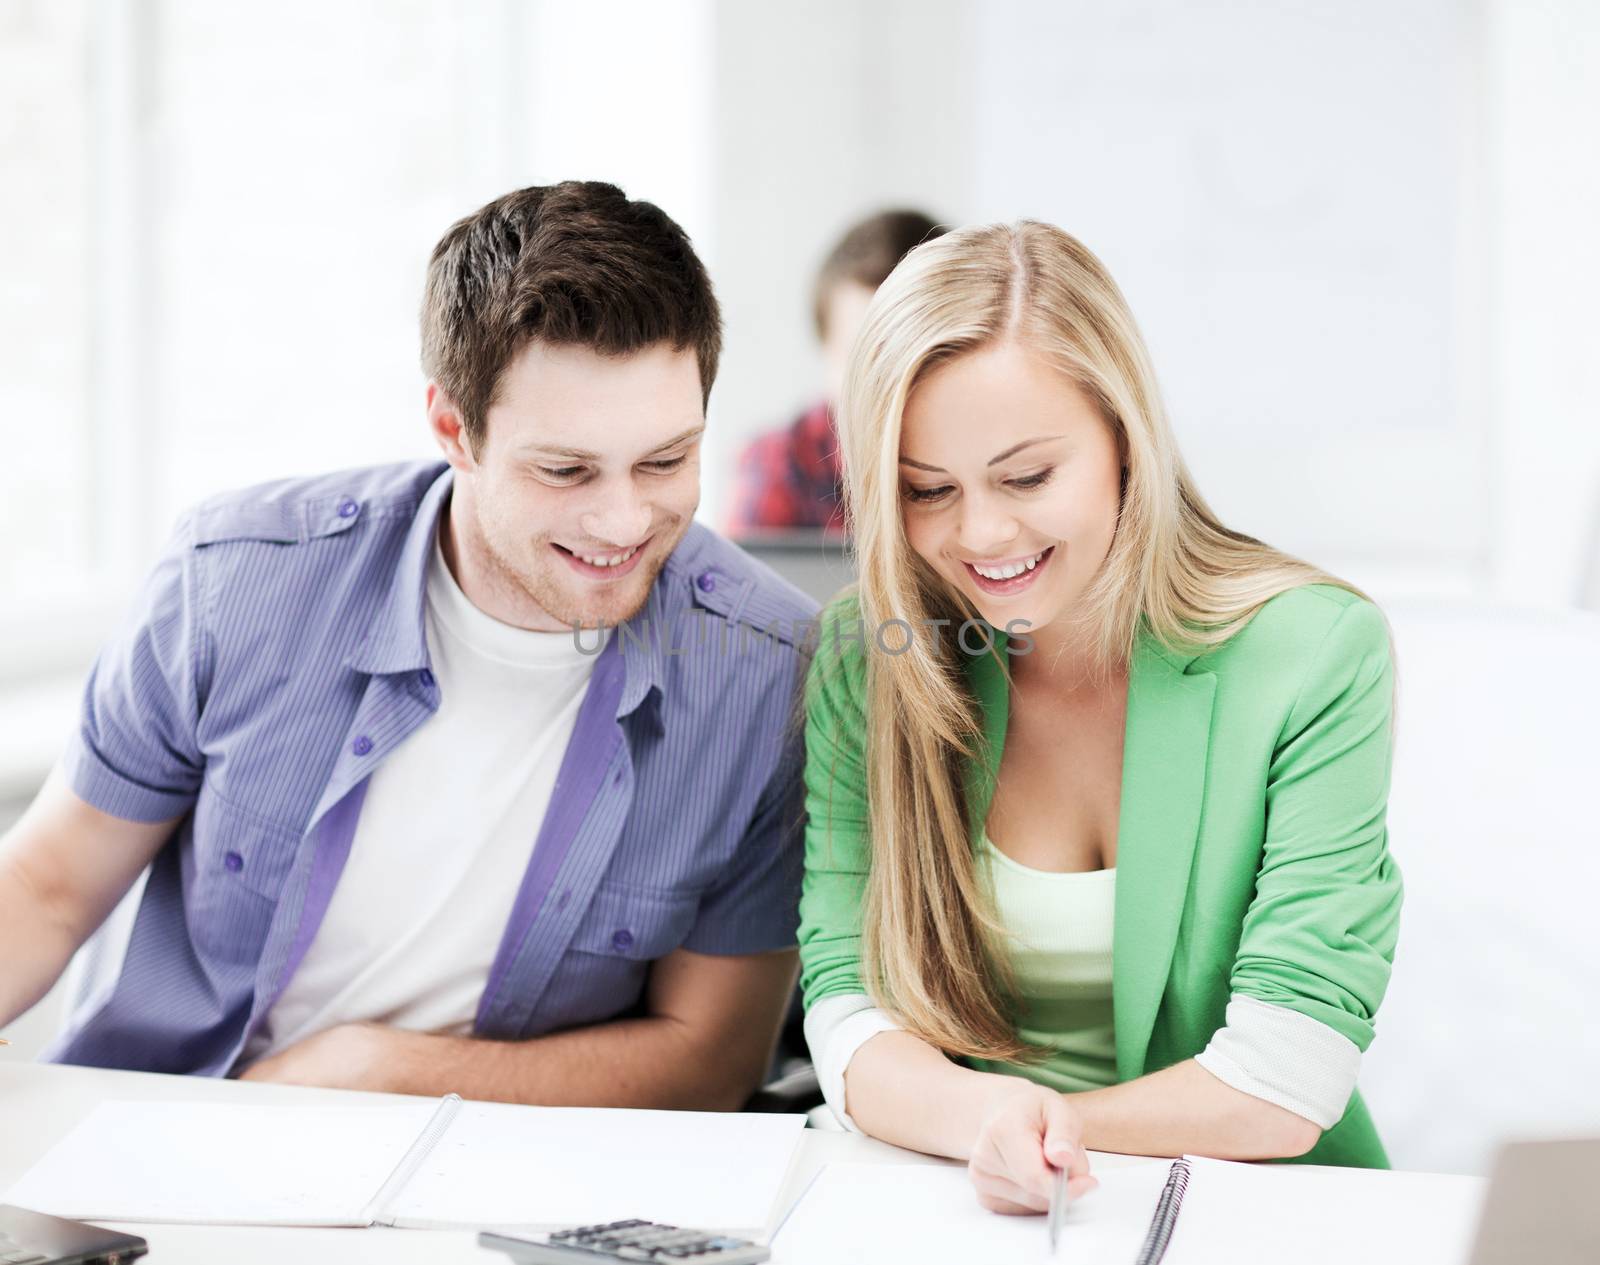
449 431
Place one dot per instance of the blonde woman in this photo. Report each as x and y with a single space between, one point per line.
1096 854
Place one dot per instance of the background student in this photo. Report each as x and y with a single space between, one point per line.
790 478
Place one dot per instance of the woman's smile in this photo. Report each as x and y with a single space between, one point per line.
1004 577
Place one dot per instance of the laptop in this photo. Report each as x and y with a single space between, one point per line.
1541 1205
31 1238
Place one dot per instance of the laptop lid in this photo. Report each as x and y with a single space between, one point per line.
1543 1205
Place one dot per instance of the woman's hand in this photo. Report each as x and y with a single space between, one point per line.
1025 1137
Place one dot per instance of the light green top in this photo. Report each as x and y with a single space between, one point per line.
1252 852
1058 943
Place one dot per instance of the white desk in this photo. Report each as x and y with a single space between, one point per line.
39 1103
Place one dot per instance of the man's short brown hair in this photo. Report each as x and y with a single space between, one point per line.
867 254
575 263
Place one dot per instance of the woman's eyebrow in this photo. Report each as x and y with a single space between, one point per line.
993 461
1026 443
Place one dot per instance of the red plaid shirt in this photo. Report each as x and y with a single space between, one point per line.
791 478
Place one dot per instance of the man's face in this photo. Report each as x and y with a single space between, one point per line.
587 478
844 308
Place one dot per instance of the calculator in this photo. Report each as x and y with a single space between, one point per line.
627 1241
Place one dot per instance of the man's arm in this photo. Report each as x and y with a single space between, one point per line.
63 868
704 1045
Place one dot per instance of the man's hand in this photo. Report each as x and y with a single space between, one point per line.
349 1056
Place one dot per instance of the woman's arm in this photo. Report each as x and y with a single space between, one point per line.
902 1090
1185 1110
1181 1110
1013 1133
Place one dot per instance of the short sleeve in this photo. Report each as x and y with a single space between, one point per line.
135 753
1319 936
837 850
752 908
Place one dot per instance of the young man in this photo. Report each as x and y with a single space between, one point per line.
791 479
405 830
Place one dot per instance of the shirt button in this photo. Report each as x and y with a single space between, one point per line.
707 581
348 508
622 940
362 745
234 862
426 677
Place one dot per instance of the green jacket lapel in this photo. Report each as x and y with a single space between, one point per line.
1163 785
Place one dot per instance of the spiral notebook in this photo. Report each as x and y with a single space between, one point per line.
417 1164
1190 1211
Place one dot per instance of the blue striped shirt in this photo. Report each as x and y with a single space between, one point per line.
277 655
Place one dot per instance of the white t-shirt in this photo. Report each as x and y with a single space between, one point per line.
445 834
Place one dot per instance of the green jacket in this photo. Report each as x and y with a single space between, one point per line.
1252 854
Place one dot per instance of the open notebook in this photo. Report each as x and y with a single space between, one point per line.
1187 1212
427 1165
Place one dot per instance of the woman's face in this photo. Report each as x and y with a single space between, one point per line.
1010 483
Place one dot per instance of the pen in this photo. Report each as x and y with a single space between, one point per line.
1058 1206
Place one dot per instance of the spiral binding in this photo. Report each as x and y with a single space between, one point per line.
1166 1215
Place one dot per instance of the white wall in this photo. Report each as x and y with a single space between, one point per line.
1544 123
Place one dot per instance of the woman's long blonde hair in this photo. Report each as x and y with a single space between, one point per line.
929 934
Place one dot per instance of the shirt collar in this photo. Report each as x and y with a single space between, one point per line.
397 639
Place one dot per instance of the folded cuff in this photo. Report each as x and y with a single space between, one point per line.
100 786
836 1027
1285 1058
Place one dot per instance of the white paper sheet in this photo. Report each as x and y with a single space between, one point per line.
1232 1214
879 1214
1265 1214
496 1165
543 1167
222 1164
